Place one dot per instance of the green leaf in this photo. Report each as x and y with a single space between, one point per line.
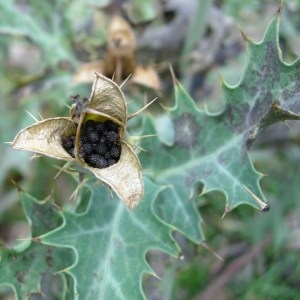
141 10
25 267
269 90
110 243
210 152
48 31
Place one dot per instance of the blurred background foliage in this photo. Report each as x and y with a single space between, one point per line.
44 43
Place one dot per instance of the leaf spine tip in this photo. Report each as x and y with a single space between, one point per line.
279 10
36 239
208 248
263 205
125 81
221 78
266 208
244 36
175 80
32 116
226 211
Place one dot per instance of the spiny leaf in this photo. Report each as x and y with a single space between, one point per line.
269 90
213 149
110 245
32 24
24 269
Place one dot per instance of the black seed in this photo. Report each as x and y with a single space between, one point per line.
109 145
83 139
98 161
92 159
82 155
111 161
112 136
107 155
87 148
93 137
94 146
115 151
89 126
68 141
71 152
100 127
111 125
103 140
102 163
73 137
101 149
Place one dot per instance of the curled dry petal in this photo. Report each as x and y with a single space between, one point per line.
146 76
120 61
107 98
124 177
45 137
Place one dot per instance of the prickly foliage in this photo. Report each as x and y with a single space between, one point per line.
110 243
103 249
210 152
26 267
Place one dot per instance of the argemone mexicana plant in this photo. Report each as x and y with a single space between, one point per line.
94 137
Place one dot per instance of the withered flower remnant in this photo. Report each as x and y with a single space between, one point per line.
94 137
120 62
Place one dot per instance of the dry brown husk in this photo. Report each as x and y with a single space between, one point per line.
107 101
120 60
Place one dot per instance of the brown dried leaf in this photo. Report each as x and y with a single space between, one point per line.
44 137
124 177
120 60
146 76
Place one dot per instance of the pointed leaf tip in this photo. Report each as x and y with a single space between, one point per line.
266 208
174 78
279 10
244 36
263 206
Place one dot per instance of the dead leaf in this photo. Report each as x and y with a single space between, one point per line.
146 76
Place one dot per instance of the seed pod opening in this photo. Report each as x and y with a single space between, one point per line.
99 141
93 137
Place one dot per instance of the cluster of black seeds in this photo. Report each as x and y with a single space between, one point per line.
99 143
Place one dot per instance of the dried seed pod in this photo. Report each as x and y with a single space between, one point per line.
45 137
120 176
120 59
106 105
